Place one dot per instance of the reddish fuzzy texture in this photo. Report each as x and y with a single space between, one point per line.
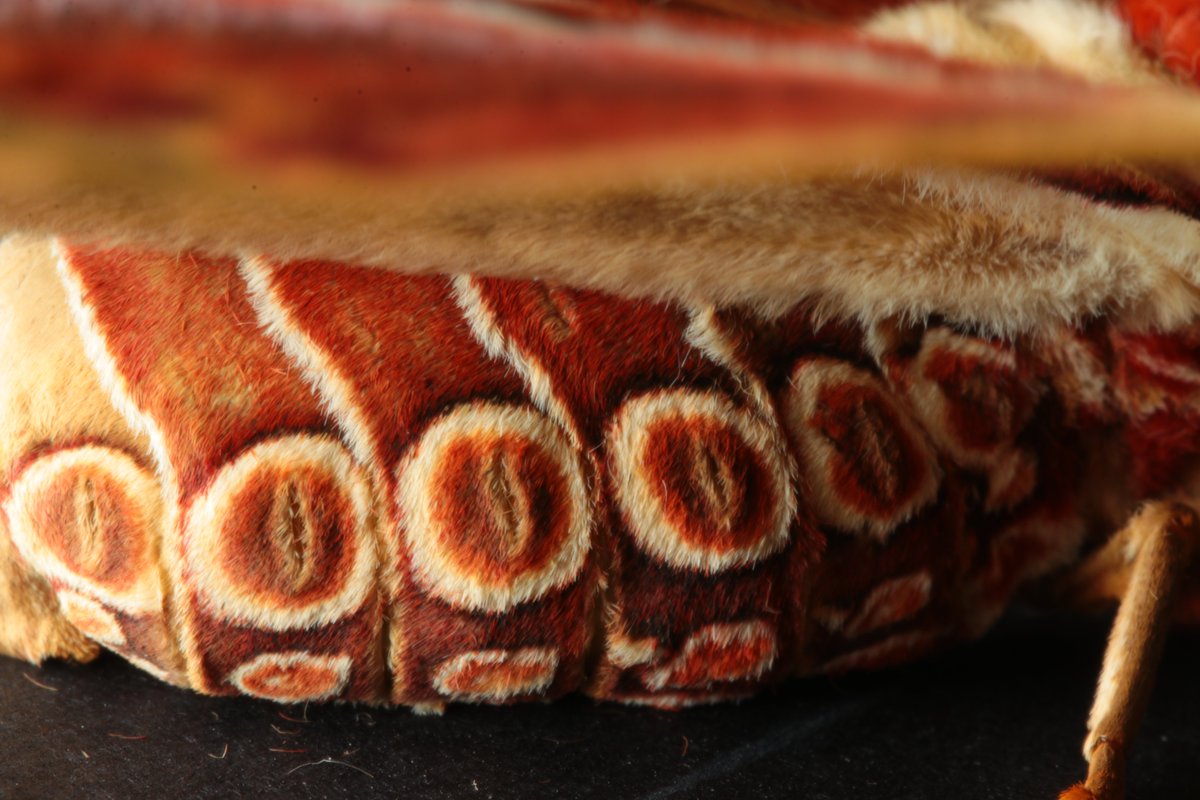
418 96
265 90
1168 30
407 355
615 345
1127 186
737 509
1163 446
598 351
679 594
181 332
870 445
715 13
1157 384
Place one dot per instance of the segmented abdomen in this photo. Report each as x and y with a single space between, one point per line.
363 485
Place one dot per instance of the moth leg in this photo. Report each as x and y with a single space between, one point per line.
1159 544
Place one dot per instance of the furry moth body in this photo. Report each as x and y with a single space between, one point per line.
783 349
343 483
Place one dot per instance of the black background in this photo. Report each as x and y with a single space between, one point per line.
1002 718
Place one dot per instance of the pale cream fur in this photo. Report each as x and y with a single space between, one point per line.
1074 36
766 220
48 395
984 249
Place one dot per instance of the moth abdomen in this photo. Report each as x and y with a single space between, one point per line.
424 489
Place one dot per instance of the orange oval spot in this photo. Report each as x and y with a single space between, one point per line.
92 525
86 518
494 675
721 652
868 466
289 536
293 677
985 399
281 539
501 508
876 466
494 508
702 483
713 488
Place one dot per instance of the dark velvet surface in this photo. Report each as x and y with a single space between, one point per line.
1002 718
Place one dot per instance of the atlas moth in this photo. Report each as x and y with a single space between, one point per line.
488 352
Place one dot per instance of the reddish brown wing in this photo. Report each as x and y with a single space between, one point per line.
487 524
694 489
515 489
269 536
431 88
1169 30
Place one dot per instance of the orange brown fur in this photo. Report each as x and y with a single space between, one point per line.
630 479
